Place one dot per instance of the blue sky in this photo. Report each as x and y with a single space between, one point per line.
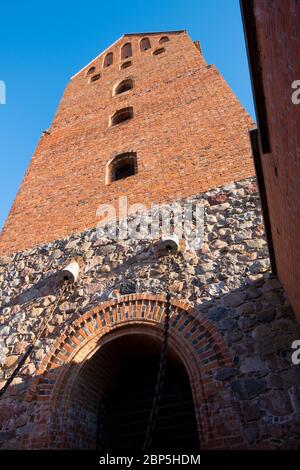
42 44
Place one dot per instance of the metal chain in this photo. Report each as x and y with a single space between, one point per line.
101 429
162 367
37 337
102 416
49 317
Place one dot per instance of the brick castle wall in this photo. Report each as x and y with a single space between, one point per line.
278 38
189 132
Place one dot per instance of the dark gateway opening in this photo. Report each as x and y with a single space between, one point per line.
125 410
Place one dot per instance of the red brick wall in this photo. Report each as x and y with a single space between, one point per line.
278 36
189 132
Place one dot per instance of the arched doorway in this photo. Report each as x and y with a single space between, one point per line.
126 360
82 363
126 404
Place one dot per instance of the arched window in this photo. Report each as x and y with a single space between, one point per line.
108 60
95 77
126 51
159 51
125 85
121 115
122 166
164 39
90 71
126 64
145 44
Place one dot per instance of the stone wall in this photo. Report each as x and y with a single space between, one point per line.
227 282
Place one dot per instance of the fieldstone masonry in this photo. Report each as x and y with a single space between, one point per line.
224 289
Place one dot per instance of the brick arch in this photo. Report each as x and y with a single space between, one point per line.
196 341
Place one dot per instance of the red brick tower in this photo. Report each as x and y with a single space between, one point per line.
150 120
188 134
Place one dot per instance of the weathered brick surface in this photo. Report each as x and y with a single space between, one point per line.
189 132
278 37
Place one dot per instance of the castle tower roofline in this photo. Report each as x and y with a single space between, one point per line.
179 31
